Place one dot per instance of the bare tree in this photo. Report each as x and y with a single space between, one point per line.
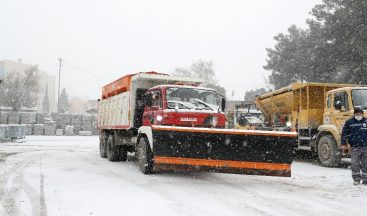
20 89
204 70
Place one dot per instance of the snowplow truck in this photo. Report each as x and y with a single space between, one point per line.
317 112
171 123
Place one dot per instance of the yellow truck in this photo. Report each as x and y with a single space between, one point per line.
317 111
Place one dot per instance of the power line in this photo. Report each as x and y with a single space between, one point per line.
83 70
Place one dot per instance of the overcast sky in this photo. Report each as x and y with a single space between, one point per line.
101 41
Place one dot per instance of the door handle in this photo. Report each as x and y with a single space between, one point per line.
346 115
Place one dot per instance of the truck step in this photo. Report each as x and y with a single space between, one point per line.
304 138
307 148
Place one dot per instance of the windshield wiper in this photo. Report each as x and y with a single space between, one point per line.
176 103
205 104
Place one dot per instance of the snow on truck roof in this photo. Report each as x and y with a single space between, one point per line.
299 85
184 86
123 84
349 88
166 77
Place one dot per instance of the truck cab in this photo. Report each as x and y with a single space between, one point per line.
339 107
177 105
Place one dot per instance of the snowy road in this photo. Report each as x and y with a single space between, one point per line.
66 176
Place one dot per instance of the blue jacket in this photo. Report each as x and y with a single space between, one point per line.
355 132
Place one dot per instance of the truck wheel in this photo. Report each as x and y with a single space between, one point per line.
328 151
144 156
113 151
103 145
123 153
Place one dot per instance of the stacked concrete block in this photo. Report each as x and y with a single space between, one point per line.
69 130
59 132
95 129
28 118
39 129
56 117
50 130
87 122
76 121
85 133
4 117
40 119
16 131
50 127
3 133
13 118
28 129
65 119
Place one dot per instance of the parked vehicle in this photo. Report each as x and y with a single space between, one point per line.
317 111
248 122
171 123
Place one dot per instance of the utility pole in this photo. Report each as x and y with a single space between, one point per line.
58 92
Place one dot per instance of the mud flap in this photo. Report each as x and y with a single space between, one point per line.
223 150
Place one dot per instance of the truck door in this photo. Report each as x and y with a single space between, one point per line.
341 111
153 112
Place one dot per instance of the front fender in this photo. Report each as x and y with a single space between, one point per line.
147 131
331 129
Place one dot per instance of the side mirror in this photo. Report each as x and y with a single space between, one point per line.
338 105
223 104
148 100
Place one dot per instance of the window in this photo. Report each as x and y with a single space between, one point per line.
157 98
360 98
341 101
328 101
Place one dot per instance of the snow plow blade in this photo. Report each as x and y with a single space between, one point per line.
223 150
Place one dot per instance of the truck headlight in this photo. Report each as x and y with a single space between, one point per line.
214 121
288 124
159 118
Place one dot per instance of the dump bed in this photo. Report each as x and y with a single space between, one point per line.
118 104
301 104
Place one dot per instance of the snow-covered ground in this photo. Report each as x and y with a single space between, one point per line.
65 176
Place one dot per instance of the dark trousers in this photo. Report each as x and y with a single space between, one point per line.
359 164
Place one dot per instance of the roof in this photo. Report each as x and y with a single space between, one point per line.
183 86
298 85
166 77
349 88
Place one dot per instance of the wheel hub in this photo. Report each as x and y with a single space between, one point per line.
325 151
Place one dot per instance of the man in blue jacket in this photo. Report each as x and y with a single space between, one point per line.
355 132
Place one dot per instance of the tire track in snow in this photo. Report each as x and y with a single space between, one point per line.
13 182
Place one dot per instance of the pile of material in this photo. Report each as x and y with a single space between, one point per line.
33 123
28 118
38 129
4 117
13 118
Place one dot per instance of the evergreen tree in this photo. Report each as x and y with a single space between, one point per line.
46 101
63 104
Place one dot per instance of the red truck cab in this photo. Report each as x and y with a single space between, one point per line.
182 105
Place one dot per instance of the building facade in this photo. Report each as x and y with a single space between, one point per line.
9 66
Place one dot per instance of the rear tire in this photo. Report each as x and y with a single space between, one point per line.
329 153
113 151
123 153
144 156
103 145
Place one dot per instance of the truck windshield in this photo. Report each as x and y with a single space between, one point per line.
360 98
192 98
